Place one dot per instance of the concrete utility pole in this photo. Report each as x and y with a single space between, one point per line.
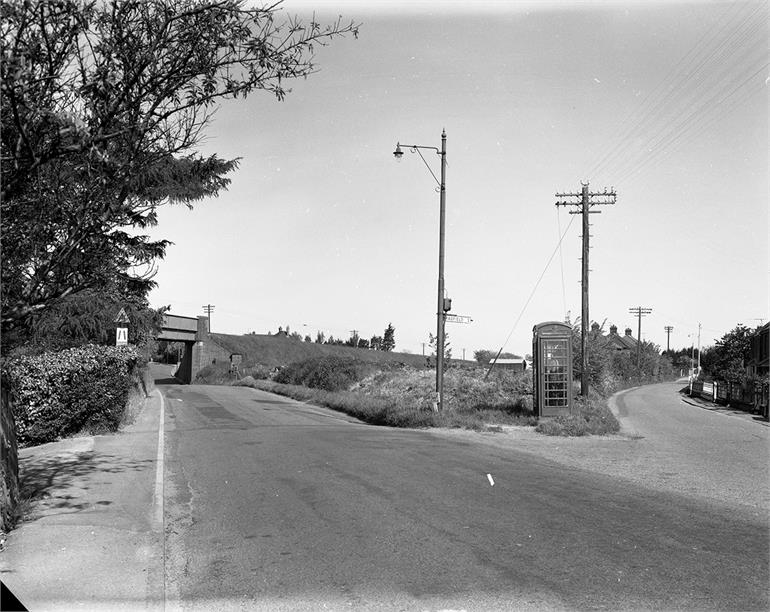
668 329
587 200
639 312
208 309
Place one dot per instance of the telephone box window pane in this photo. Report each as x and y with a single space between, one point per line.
554 367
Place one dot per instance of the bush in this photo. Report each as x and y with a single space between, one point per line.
329 373
57 394
593 417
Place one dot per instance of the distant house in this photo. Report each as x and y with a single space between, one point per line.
621 343
517 365
759 362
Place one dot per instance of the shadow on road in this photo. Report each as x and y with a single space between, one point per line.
52 482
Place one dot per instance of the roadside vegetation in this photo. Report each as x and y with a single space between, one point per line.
403 396
82 390
399 395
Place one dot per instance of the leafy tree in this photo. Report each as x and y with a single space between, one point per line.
308 339
363 343
726 360
375 343
320 337
103 106
389 338
433 342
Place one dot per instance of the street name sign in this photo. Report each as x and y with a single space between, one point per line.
450 318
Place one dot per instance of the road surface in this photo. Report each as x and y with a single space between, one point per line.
274 504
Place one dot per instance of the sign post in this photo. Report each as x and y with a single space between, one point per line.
121 329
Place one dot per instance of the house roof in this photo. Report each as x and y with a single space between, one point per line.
622 342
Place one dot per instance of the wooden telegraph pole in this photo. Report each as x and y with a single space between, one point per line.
639 312
208 309
668 329
584 204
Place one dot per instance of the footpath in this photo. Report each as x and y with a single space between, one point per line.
92 538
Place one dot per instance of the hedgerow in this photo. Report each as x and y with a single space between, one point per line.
61 393
329 373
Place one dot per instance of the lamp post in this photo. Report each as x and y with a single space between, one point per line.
442 305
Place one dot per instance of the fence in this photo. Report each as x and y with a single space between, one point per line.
753 397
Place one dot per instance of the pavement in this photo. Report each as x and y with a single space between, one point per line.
92 529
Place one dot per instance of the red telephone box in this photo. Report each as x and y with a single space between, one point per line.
552 368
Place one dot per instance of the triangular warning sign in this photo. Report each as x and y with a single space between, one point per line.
122 316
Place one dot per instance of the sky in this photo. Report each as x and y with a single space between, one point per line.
322 230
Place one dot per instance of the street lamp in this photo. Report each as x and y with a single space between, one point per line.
443 305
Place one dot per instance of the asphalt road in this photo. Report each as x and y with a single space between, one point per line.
273 504
701 447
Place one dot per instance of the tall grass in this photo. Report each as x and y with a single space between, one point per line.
591 416
405 398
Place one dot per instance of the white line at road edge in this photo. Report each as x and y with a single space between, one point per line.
157 501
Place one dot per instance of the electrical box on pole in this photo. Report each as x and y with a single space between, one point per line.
552 368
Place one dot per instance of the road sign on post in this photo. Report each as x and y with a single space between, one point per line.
121 331
121 336
450 318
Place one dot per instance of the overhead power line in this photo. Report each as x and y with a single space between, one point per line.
701 87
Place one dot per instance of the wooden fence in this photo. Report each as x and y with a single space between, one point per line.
754 397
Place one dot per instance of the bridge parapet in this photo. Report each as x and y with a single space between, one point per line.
177 328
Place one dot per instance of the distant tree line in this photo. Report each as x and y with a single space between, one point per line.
386 342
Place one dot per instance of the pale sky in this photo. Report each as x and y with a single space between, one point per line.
322 230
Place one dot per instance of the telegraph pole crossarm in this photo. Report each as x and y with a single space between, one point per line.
585 200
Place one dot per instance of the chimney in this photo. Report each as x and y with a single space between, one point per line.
628 332
613 330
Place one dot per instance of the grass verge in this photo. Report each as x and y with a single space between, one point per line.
593 417
394 412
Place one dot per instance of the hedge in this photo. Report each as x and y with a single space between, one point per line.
57 394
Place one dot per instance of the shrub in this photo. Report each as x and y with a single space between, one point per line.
593 417
330 373
57 394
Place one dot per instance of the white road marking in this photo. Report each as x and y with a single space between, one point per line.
491 482
157 501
